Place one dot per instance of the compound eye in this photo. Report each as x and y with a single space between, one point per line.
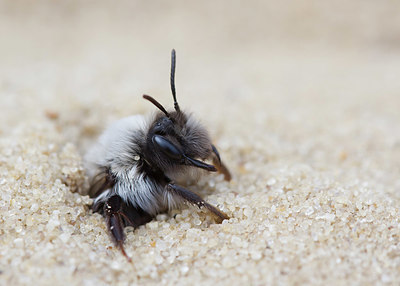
167 147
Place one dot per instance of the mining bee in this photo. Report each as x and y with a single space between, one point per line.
138 163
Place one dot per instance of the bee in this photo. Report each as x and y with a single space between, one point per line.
138 163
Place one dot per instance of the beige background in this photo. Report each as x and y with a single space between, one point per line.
301 98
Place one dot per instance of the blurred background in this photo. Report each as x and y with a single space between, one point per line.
90 61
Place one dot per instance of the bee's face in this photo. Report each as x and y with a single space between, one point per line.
177 140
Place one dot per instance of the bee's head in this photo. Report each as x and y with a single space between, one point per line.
175 139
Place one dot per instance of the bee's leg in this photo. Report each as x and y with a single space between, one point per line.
219 165
194 199
98 207
135 216
115 224
101 183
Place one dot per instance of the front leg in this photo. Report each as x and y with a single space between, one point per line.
115 224
194 199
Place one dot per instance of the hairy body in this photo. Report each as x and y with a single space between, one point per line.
117 157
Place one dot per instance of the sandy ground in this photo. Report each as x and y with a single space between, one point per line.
302 102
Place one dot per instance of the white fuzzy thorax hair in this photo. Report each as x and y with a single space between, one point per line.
115 151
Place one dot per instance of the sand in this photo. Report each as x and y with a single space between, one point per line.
302 102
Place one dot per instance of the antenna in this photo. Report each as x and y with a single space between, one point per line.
173 62
156 103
